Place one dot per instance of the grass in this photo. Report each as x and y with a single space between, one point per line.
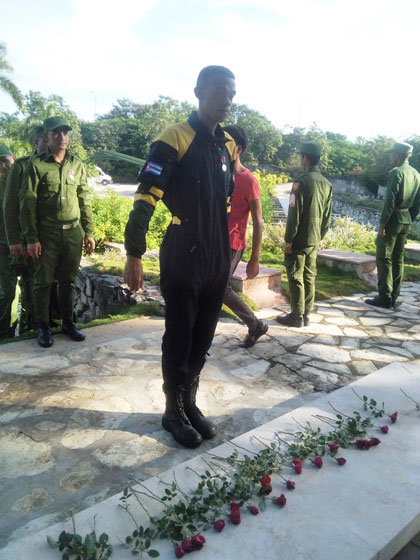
113 262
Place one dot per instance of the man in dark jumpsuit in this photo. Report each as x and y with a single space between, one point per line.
190 167
308 221
13 197
56 217
401 206
7 274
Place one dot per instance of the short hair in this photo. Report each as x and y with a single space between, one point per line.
239 135
313 160
209 71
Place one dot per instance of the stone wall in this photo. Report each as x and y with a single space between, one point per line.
347 185
365 216
99 295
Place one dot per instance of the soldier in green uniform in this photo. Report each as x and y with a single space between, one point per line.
401 206
7 274
11 206
308 221
56 218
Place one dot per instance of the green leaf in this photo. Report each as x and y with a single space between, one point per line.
153 553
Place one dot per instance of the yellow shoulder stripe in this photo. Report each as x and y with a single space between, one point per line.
157 192
146 197
179 137
231 146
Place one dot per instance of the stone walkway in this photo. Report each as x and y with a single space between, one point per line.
80 419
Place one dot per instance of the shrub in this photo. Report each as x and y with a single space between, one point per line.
348 235
268 183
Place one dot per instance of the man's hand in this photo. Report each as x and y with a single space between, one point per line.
89 244
133 273
34 250
16 250
288 248
381 230
321 245
252 268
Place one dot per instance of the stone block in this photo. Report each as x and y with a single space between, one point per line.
412 251
265 290
346 261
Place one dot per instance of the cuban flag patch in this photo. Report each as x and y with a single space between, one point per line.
154 168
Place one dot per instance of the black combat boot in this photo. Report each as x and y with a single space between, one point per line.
202 424
70 329
175 420
290 320
44 335
379 301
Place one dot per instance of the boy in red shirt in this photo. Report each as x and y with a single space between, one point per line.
245 199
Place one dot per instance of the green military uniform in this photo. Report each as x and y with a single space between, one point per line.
56 212
8 277
308 221
22 266
401 206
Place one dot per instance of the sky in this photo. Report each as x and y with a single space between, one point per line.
350 66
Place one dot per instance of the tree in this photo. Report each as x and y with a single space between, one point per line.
6 84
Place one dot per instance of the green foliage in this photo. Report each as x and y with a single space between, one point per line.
75 547
348 235
268 183
6 83
110 214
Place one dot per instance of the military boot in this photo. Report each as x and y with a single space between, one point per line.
174 419
203 425
290 320
44 335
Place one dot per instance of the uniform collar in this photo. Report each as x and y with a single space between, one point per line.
199 127
47 156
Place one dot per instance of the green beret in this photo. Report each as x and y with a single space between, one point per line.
402 148
56 122
4 150
311 149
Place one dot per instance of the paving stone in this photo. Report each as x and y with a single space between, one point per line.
340 369
412 346
35 366
342 321
37 500
363 367
354 333
291 342
251 372
374 321
373 331
50 426
332 330
292 361
79 476
227 391
267 350
326 339
376 356
76 438
331 312
347 342
130 451
20 455
396 350
317 375
324 352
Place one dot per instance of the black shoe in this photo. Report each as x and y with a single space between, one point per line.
70 329
205 427
377 301
174 419
252 337
306 320
290 320
44 336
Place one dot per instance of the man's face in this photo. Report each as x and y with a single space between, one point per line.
6 163
215 97
58 139
40 144
394 158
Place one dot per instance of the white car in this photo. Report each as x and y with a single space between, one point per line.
102 178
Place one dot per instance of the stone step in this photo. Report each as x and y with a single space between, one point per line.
412 251
347 261
265 290
368 509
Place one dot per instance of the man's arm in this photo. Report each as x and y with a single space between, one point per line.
253 267
393 186
293 216
11 209
326 218
28 221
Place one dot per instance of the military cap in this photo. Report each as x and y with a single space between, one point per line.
36 132
311 149
4 150
402 148
56 122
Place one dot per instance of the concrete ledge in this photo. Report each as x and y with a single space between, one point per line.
344 260
412 251
265 290
368 509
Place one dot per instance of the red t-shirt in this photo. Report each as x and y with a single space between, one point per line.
246 189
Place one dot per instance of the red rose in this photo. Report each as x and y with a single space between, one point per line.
333 447
290 485
219 525
384 429
298 468
265 490
265 480
297 461
318 462
197 542
179 551
234 505
363 444
341 461
235 516
187 545
281 500
374 441
254 510
394 417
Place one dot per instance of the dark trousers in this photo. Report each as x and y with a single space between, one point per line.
193 298
390 262
233 301
61 253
